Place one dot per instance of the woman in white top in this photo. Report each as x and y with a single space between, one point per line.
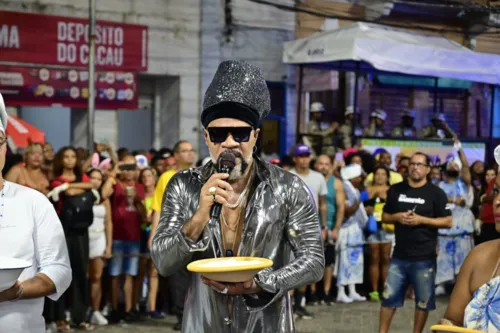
100 241
475 300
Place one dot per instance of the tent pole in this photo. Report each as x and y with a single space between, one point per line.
299 103
355 102
492 112
492 115
435 94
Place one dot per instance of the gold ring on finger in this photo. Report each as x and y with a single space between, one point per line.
212 190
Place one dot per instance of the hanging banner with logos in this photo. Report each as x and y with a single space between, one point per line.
63 41
29 86
474 151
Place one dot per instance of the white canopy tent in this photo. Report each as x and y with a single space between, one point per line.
394 50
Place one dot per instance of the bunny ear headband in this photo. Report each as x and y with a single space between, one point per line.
96 164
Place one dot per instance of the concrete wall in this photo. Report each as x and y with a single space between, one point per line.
178 60
258 38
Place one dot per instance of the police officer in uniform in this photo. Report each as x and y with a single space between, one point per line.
317 128
438 129
376 127
345 131
406 129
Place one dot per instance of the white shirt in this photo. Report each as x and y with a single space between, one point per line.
30 230
316 183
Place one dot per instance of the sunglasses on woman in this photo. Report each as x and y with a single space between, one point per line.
220 134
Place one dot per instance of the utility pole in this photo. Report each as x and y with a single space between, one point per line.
91 100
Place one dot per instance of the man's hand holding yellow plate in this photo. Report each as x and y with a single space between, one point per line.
232 289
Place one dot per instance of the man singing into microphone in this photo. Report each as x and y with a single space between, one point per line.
265 212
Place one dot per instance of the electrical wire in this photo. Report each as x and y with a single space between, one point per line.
322 12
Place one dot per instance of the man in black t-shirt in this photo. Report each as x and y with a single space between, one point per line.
418 209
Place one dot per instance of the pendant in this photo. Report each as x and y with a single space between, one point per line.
229 253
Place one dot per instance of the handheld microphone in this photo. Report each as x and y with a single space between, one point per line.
225 164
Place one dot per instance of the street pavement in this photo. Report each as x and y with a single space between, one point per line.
338 318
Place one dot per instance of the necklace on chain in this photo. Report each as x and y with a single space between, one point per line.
242 195
230 252
242 198
223 218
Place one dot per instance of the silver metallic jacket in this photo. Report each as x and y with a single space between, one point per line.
280 217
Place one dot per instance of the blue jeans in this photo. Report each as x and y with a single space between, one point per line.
381 236
421 275
125 259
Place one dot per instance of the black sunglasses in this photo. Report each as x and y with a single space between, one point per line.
220 134
128 167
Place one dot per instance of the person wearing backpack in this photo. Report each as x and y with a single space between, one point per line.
74 200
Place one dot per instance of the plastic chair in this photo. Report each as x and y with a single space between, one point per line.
454 329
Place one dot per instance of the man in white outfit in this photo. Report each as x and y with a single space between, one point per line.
29 230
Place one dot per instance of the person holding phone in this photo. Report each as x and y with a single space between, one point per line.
103 150
128 213
417 208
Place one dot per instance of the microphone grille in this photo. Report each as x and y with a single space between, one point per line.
227 162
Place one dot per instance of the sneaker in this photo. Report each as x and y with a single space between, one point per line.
357 297
129 317
343 298
440 291
106 310
178 326
303 313
156 315
328 300
114 317
51 328
374 296
313 299
67 315
137 315
98 318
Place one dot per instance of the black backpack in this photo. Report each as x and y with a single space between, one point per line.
77 211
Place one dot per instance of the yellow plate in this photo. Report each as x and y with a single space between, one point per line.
453 329
210 265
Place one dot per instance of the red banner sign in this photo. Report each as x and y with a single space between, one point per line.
55 40
24 86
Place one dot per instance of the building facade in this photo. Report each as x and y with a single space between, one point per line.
168 86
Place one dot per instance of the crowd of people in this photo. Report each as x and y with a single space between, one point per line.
112 246
108 238
359 199
338 230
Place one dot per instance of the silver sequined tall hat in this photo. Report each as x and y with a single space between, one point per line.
238 90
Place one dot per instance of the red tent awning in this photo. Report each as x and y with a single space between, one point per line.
21 134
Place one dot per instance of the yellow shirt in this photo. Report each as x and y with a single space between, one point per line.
160 189
394 178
